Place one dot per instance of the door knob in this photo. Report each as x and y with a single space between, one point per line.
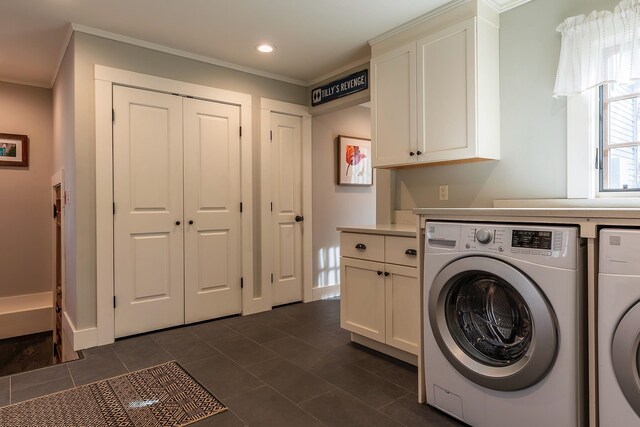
299 218
177 222
190 222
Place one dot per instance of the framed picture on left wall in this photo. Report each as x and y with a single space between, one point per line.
354 161
14 150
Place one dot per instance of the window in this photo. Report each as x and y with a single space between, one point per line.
619 138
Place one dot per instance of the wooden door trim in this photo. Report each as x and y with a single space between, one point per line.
105 78
263 302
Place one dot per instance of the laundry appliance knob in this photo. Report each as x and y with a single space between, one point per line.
483 236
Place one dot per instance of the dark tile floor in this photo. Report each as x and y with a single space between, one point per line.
292 366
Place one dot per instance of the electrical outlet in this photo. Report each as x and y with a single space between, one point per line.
443 192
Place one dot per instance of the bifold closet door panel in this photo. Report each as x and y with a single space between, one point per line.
148 215
212 210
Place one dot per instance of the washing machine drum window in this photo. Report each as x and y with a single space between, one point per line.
489 319
492 323
625 356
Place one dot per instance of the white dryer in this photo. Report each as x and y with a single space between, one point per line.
619 328
503 332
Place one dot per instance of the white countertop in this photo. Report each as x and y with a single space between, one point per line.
385 229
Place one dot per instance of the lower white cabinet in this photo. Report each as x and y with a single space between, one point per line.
379 287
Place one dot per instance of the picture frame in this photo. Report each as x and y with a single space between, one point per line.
14 150
354 161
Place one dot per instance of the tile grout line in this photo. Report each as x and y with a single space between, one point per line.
120 359
320 395
296 405
71 376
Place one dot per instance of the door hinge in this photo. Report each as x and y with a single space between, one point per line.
240 131
114 302
271 277
113 115
241 282
114 208
240 207
271 135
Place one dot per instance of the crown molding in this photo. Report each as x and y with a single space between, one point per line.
504 5
184 54
422 18
354 64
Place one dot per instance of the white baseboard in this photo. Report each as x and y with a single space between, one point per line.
325 292
26 314
78 339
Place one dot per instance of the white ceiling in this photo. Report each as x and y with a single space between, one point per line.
313 37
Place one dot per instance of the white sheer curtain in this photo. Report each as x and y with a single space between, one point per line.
601 47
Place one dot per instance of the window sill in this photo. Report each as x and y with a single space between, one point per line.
621 202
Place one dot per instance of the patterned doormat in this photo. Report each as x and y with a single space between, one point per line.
164 395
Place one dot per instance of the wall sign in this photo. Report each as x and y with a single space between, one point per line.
352 83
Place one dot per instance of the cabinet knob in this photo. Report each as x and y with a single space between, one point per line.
299 218
411 153
379 273
178 223
411 252
419 153
190 222
361 246
386 273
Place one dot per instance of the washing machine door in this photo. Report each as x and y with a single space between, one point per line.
626 357
492 323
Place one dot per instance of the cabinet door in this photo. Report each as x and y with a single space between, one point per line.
393 107
362 298
446 94
402 308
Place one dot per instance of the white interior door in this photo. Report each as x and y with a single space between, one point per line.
286 218
148 211
212 210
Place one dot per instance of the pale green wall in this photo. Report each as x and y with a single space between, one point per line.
333 204
91 50
533 123
63 158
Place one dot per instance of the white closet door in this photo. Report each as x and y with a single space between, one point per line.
286 190
148 242
212 210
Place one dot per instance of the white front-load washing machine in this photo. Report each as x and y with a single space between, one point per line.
503 332
619 328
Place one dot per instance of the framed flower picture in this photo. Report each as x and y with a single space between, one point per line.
14 150
354 161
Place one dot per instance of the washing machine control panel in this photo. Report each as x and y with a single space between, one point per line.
513 240
545 245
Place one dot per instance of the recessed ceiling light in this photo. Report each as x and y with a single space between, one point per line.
265 48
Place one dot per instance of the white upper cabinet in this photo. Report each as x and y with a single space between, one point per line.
393 96
447 108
